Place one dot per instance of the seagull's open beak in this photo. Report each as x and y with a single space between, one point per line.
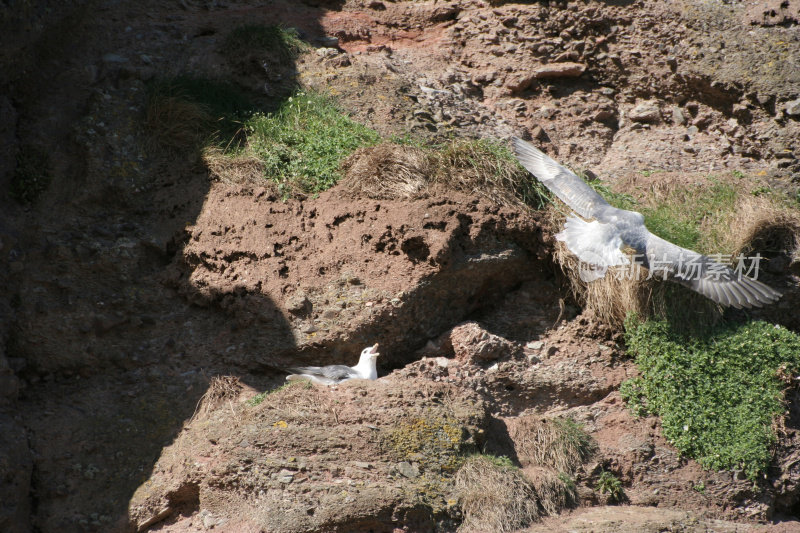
374 350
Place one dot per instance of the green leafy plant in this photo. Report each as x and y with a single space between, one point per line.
717 394
610 484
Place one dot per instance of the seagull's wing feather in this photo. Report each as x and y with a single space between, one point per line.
567 186
706 276
332 372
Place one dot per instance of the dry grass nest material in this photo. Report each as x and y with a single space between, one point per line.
756 225
221 390
392 171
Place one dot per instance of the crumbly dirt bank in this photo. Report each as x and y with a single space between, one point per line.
325 277
135 280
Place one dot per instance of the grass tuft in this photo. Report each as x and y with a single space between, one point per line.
388 171
718 395
553 491
494 496
303 143
221 389
185 112
487 168
283 44
558 443
406 169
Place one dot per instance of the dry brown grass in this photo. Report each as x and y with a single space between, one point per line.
553 492
393 171
478 167
221 390
493 497
242 168
387 171
758 225
559 444
297 401
177 122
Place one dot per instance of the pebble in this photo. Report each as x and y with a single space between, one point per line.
793 108
407 469
298 304
285 476
330 42
559 70
678 116
645 112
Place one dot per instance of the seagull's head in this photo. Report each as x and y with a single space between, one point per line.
369 355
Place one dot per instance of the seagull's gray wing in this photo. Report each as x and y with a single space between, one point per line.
704 275
568 187
331 372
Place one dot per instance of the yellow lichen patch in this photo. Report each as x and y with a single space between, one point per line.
435 443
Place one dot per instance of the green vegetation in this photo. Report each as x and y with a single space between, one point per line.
569 485
500 461
303 143
32 174
609 484
283 44
678 215
717 394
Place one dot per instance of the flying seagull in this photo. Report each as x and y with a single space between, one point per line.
333 374
599 243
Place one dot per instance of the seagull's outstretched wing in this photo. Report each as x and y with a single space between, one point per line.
333 373
706 276
568 187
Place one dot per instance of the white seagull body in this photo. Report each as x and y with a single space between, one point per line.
599 242
333 374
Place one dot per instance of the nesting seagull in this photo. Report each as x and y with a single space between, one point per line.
333 374
599 243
